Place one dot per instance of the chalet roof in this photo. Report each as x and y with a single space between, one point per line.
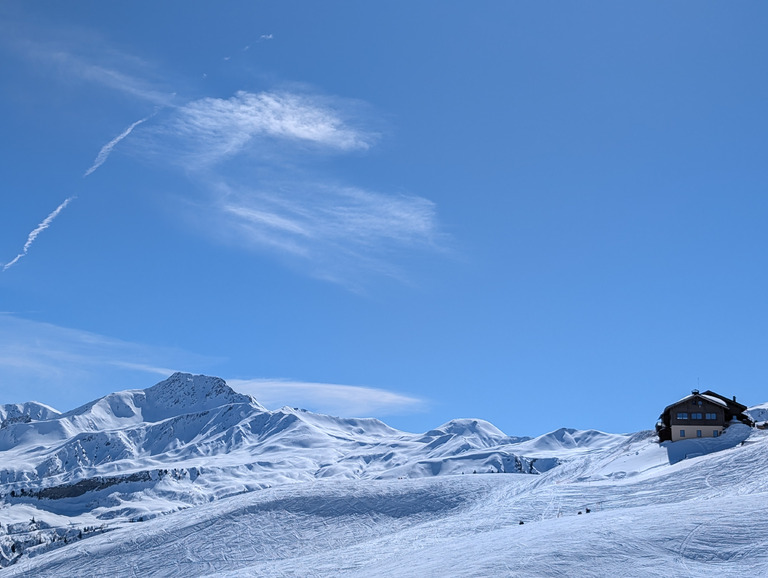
733 409
711 398
730 402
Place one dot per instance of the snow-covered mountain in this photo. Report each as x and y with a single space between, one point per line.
22 412
199 423
759 413
190 453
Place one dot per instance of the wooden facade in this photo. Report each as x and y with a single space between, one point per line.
699 415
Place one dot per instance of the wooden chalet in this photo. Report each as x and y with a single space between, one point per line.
700 415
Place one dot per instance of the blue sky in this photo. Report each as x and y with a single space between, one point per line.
540 214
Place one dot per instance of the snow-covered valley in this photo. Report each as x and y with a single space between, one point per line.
190 477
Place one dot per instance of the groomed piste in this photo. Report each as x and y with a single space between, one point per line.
190 477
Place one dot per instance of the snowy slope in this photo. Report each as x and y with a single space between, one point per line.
198 423
759 413
701 517
25 412
191 439
191 477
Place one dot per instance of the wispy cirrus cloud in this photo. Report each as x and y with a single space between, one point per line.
106 150
114 79
79 55
336 230
256 147
59 365
333 229
65 367
329 398
37 230
210 130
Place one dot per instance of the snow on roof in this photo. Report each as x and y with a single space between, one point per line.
713 399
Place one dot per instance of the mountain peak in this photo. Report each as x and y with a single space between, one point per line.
181 393
24 412
186 385
468 426
194 392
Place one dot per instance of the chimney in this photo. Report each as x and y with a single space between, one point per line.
734 398
695 391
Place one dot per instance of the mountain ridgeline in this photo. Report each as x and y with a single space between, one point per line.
198 423
191 450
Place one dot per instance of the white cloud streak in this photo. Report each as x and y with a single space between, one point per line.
62 366
39 229
116 80
107 148
330 398
162 371
109 73
334 229
209 130
80 54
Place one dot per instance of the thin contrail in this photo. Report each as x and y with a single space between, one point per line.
107 148
100 159
39 229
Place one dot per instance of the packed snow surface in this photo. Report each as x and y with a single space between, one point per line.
759 413
192 478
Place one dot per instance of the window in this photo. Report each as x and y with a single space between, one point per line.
715 433
698 433
682 433
695 416
711 416
683 415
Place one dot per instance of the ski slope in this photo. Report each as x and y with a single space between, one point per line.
652 509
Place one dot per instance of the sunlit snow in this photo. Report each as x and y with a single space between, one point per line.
190 477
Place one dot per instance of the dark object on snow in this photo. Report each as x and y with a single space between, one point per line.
579 512
587 510
521 523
